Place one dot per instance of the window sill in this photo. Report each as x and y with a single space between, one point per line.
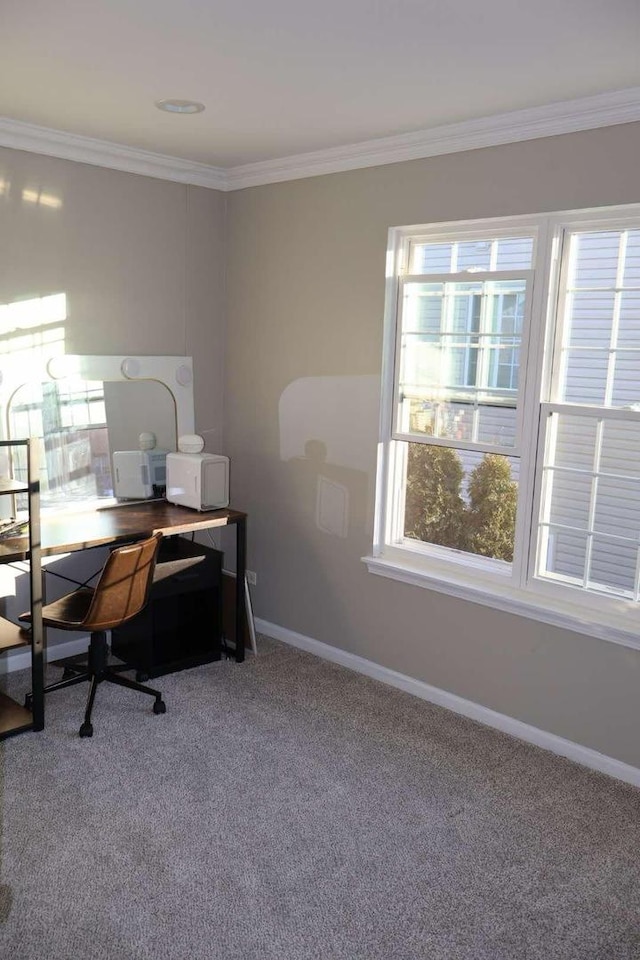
422 572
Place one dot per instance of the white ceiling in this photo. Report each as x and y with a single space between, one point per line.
285 77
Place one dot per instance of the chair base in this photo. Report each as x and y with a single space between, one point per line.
96 672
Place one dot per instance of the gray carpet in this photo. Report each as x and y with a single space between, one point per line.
287 809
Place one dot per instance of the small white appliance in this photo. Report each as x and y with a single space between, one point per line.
198 480
139 474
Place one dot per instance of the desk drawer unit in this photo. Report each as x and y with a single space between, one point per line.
181 626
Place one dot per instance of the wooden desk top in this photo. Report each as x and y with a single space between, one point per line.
67 532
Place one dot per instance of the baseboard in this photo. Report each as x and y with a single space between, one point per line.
450 701
57 651
442 698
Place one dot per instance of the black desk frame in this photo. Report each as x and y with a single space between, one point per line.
122 523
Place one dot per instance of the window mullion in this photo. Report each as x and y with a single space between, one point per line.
541 525
536 340
595 479
636 595
615 320
446 331
482 376
564 301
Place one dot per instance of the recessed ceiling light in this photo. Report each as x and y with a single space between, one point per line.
180 106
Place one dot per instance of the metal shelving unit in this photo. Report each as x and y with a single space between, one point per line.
15 718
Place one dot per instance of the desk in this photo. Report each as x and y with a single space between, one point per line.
108 526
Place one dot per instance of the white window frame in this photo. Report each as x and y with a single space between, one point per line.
402 281
512 587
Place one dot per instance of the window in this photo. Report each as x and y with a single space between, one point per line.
510 454
68 416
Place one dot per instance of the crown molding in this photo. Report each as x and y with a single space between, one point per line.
566 116
102 153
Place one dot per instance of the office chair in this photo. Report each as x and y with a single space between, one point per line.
120 594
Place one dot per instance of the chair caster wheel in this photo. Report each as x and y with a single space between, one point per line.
86 730
159 706
141 676
28 702
67 674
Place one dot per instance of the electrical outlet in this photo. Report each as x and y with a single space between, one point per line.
252 577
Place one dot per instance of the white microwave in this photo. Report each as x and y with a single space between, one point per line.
198 480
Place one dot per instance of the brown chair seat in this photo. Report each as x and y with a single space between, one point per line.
120 594
71 609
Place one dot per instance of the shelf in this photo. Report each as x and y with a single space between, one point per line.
14 718
13 486
24 544
14 549
12 636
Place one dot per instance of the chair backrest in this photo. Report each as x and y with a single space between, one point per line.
123 587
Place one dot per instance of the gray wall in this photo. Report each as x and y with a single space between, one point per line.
141 262
306 265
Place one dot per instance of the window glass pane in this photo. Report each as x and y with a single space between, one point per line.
497 425
620 452
589 320
566 552
601 358
422 307
507 307
463 421
74 464
453 499
474 255
617 508
632 259
460 359
431 258
626 380
465 305
592 512
613 566
594 259
500 253
585 376
629 323
575 442
503 360
435 418
458 364
514 253
569 498
421 363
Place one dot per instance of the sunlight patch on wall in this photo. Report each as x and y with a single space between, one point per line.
35 312
31 331
41 199
328 435
333 410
